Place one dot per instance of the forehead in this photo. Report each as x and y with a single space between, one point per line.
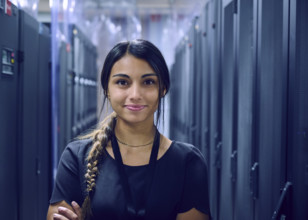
130 64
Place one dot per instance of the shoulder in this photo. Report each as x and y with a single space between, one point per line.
191 156
77 149
70 172
188 151
184 156
78 145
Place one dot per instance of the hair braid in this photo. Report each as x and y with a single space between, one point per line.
100 137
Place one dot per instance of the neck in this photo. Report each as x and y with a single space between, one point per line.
135 134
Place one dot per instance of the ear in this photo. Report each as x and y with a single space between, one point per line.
164 93
108 95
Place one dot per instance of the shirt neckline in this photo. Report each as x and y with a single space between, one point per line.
144 165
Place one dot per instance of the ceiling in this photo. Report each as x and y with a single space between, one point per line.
141 7
161 20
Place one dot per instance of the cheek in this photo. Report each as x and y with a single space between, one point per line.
154 97
117 96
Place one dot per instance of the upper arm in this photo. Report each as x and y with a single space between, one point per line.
192 214
195 188
68 184
53 208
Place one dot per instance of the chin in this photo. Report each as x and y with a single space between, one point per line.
135 119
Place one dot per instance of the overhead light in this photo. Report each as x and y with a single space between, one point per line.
65 4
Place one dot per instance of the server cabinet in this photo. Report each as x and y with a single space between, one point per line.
172 120
198 83
77 66
77 87
28 140
43 170
243 203
186 90
24 117
28 116
91 87
204 117
294 201
179 93
175 107
214 30
8 111
257 89
271 112
174 90
190 120
89 84
69 81
85 87
229 117
196 80
64 99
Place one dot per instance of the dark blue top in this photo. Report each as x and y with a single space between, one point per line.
179 184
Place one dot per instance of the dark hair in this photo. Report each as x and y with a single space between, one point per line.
144 50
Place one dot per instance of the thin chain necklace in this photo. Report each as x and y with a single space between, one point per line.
142 145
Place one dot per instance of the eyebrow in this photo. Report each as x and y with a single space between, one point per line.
148 74
127 76
120 75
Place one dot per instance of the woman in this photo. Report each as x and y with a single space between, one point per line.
126 169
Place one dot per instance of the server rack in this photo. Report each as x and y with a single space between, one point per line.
179 88
228 110
8 112
294 200
204 88
197 83
243 204
215 106
34 118
85 83
271 111
25 113
190 81
254 72
28 90
64 87
77 87
44 118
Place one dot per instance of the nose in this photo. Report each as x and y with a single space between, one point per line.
135 92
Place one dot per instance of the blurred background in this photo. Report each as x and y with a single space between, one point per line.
239 86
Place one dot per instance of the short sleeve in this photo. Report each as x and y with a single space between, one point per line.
195 189
67 184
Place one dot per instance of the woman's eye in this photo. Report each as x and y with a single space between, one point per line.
149 82
122 82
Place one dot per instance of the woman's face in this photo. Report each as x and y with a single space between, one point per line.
133 90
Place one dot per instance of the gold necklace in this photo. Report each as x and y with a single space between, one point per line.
142 145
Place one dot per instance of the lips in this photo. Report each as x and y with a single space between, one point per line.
135 107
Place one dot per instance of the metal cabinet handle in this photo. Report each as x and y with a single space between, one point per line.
218 155
282 198
254 178
233 165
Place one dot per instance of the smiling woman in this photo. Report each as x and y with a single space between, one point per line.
125 169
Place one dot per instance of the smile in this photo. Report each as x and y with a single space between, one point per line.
135 107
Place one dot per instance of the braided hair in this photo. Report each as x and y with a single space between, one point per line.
100 138
141 49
